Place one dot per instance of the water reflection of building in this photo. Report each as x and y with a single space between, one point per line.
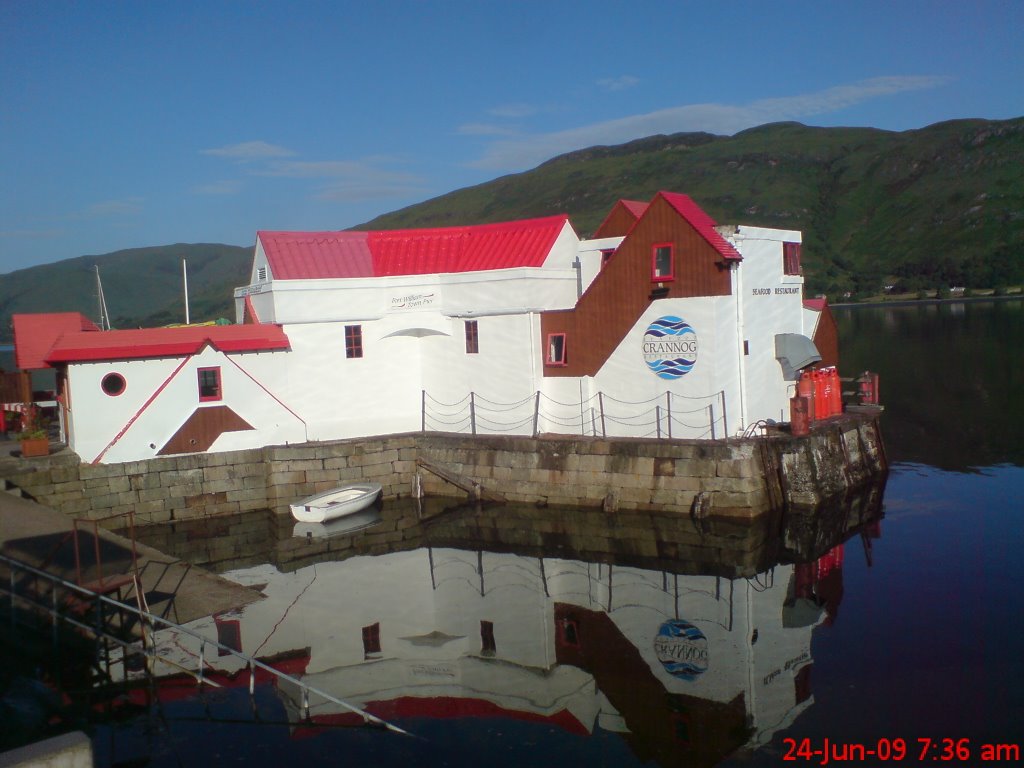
447 631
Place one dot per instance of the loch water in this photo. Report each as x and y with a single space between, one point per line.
517 636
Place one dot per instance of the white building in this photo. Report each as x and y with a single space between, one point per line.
662 325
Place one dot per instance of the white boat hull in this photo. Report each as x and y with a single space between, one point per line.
330 505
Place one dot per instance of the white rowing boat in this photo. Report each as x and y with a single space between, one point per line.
336 503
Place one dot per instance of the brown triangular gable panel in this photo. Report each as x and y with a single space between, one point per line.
204 426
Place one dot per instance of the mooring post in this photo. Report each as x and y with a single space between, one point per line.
668 408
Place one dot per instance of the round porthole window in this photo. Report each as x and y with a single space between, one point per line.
113 384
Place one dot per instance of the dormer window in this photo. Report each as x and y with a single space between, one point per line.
662 263
791 258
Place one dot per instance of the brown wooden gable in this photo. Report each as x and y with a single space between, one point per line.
623 290
826 338
204 426
618 222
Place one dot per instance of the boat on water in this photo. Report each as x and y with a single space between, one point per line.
330 505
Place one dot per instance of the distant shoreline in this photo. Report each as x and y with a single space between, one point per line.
916 302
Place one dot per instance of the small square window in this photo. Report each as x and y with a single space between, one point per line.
606 254
209 384
472 337
791 258
371 641
662 263
353 341
556 349
487 645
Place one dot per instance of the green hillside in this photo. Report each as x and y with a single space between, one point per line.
142 286
939 206
930 208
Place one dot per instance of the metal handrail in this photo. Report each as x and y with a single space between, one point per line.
152 619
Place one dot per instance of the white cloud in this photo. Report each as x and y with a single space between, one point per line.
225 187
485 129
248 151
350 179
514 111
620 83
509 154
127 206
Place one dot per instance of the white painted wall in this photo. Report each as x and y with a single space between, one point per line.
161 394
772 304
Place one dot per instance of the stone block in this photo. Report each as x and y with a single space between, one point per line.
93 471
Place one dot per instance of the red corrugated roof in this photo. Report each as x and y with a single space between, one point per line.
311 255
635 207
165 342
35 334
817 305
703 223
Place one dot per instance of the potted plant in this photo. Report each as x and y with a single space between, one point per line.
34 439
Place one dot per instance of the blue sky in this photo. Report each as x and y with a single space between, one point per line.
127 124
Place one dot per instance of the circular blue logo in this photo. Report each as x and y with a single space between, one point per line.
682 649
670 347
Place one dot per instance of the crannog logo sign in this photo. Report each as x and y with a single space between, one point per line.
670 347
682 649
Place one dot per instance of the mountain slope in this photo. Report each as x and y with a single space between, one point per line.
142 286
939 206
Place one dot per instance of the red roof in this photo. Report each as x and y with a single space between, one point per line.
35 334
165 342
41 340
703 223
635 207
817 305
312 255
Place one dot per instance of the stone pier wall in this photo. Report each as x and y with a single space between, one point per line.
727 477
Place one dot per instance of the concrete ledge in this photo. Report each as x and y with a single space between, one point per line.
735 476
70 750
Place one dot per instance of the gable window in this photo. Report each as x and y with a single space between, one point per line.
261 274
556 349
662 263
472 337
209 384
371 641
353 341
791 258
568 633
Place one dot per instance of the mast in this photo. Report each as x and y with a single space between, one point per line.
104 315
184 276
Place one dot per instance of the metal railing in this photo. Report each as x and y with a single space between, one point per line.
664 417
62 594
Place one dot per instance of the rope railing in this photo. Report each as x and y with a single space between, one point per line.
600 415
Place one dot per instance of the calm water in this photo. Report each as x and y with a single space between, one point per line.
509 638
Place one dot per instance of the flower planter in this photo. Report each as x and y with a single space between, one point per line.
35 446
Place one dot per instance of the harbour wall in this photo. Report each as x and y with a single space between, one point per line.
738 477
